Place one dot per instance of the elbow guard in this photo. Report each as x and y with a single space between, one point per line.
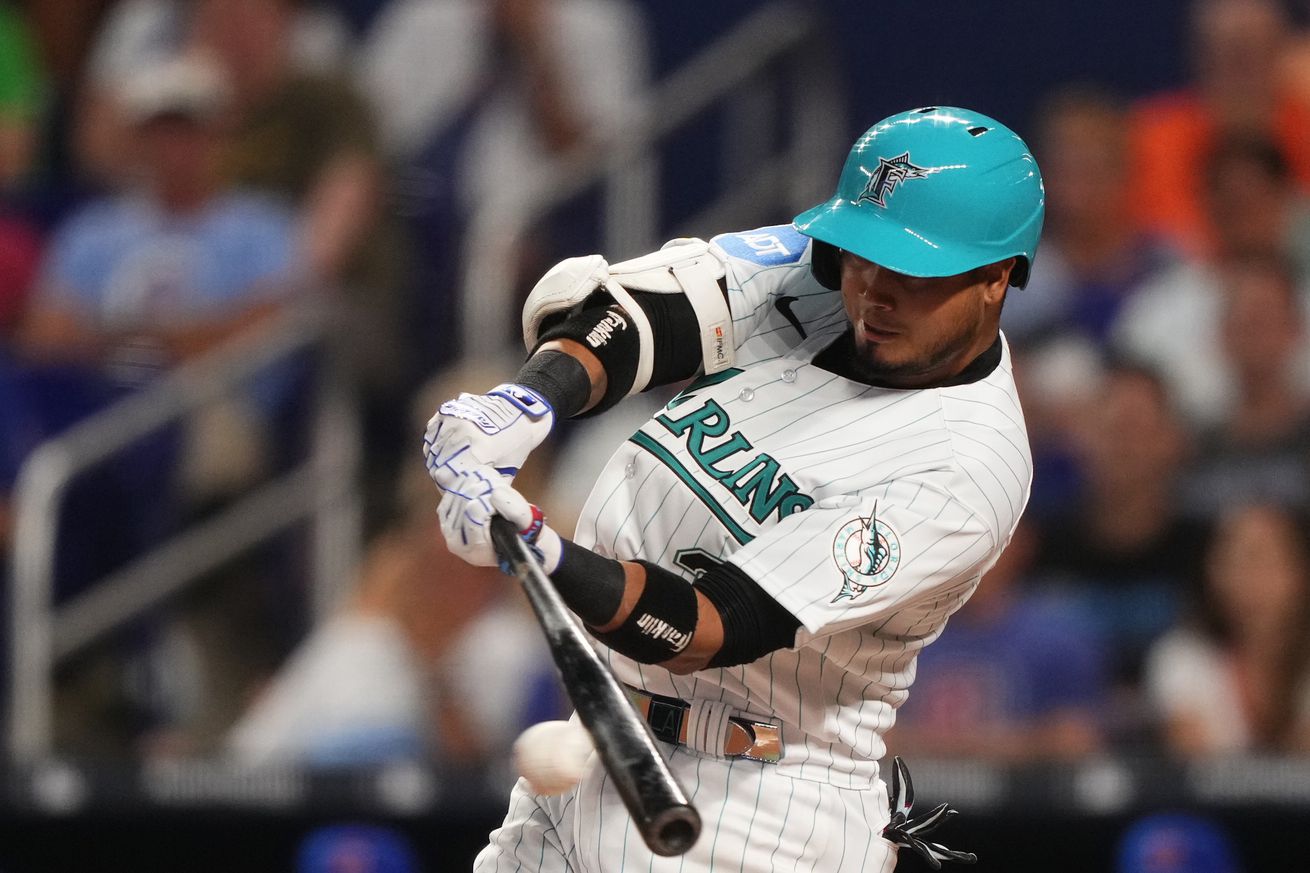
684 267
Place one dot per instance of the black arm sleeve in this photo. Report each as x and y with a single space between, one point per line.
677 336
754 624
590 584
560 378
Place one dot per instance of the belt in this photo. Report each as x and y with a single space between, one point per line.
671 719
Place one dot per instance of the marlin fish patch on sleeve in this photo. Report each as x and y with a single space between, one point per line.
867 553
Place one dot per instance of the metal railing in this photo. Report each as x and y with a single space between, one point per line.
780 34
322 489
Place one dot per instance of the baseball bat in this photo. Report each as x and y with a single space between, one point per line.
659 807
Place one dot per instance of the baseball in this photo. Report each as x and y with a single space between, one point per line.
553 755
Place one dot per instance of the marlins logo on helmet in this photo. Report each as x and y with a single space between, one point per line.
890 173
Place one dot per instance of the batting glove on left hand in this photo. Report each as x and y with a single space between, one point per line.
497 429
465 514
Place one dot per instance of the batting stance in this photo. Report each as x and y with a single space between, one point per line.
764 559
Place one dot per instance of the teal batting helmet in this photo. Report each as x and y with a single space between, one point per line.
932 192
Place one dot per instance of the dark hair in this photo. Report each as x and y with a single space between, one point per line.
1248 148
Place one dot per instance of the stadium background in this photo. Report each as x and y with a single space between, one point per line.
139 775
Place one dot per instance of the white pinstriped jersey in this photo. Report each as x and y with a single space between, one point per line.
868 513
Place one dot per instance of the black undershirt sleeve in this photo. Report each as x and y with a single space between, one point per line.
560 378
677 336
590 584
754 624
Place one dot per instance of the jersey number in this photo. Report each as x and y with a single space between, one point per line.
697 562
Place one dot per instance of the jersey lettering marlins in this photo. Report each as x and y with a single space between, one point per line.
868 513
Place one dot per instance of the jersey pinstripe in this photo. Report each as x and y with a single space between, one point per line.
869 513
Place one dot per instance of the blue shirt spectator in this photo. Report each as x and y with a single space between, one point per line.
1013 676
126 262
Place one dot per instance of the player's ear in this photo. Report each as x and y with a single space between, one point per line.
995 279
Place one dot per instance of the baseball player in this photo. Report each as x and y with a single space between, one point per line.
762 561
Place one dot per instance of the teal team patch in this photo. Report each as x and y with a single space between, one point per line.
867 553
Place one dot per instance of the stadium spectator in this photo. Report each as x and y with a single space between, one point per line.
423 661
1236 677
306 136
1261 451
359 690
22 95
1121 552
158 275
474 97
1174 322
137 33
990 688
310 138
131 285
1093 257
1237 47
20 253
1093 262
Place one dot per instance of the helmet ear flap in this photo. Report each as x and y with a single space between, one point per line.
1019 273
825 264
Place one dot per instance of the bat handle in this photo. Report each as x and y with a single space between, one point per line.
504 537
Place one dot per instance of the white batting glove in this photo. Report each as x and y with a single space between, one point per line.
465 512
496 430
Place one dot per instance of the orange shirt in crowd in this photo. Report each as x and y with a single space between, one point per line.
1170 138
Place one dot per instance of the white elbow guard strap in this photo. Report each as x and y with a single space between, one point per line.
683 266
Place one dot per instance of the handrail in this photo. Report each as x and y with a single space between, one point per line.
321 488
624 161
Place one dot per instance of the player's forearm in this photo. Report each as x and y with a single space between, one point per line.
567 374
653 618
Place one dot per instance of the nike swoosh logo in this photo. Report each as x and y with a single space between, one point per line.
783 305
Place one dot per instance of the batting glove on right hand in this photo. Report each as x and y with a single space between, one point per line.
465 514
496 430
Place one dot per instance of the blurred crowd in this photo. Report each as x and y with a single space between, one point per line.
174 176
176 173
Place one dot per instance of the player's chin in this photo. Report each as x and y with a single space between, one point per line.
887 355
881 364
